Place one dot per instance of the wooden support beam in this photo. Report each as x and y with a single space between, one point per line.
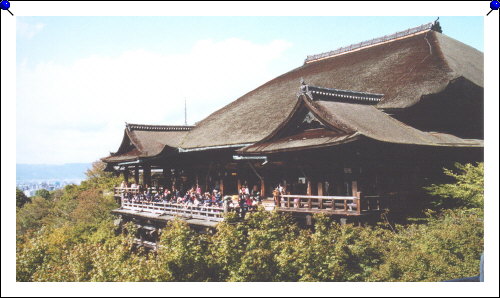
309 187
320 188
354 188
166 174
146 175
125 174
136 174
309 220
262 188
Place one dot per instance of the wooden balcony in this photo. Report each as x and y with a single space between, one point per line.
205 213
334 205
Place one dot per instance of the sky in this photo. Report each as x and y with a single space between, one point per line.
79 79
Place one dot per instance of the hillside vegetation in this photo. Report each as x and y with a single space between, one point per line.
70 236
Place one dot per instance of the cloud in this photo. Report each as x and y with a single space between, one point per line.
27 30
73 113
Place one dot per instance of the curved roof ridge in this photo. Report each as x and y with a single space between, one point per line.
370 43
155 127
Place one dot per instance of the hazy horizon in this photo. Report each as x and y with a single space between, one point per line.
51 172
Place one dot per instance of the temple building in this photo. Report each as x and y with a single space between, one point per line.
371 120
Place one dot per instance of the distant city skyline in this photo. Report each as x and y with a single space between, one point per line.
79 79
29 188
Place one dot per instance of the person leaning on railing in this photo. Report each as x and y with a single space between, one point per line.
276 197
123 185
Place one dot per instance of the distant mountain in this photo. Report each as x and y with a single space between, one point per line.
69 171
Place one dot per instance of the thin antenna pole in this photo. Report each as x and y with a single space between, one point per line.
185 112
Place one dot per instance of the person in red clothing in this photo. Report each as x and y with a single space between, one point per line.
248 200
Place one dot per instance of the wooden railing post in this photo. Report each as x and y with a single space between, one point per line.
225 205
345 205
358 204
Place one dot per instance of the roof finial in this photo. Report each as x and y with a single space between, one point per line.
303 86
436 26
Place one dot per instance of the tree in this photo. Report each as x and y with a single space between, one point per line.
43 193
468 189
97 177
21 198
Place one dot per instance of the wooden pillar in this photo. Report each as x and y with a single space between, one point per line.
166 175
206 182
320 188
262 188
146 174
221 186
239 185
136 174
309 220
354 188
309 187
125 174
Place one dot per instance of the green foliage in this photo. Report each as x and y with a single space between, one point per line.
448 247
21 198
182 254
332 252
43 193
467 191
32 214
30 257
97 178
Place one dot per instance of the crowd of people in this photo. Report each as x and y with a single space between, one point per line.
135 193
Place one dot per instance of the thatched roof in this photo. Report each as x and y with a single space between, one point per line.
347 122
403 69
141 140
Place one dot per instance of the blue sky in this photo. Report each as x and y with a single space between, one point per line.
80 78
65 39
